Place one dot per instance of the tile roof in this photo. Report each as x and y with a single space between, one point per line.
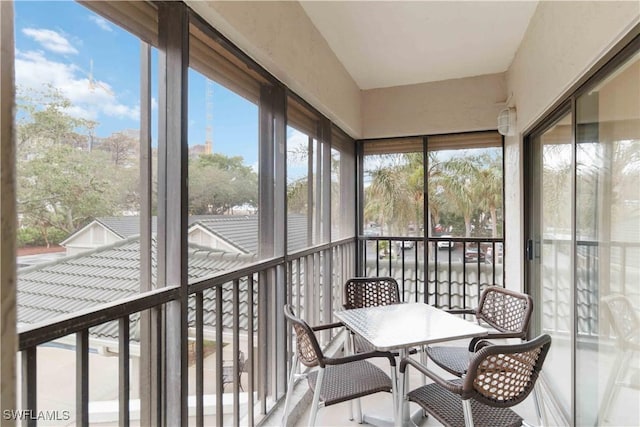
111 272
241 231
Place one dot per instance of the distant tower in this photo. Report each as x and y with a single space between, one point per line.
208 143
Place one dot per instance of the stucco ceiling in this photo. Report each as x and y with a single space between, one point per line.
393 43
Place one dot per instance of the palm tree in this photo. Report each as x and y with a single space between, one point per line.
457 182
488 187
389 200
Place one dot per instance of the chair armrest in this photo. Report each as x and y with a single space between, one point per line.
451 386
461 311
327 326
360 356
494 335
480 344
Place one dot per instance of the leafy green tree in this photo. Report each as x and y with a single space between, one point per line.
43 119
122 146
62 184
389 200
458 181
488 187
63 188
297 196
217 183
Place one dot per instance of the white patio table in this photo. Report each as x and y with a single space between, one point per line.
399 327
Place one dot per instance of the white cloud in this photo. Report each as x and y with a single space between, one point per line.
50 40
89 99
102 23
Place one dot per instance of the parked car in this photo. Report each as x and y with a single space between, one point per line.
407 244
371 232
498 256
445 244
471 254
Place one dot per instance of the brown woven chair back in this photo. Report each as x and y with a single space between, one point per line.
505 310
504 375
360 292
624 320
307 347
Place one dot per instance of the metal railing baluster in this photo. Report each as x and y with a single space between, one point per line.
123 371
250 346
236 352
219 343
30 384
82 377
199 359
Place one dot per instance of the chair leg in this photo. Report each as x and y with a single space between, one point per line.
287 400
394 392
468 415
316 398
538 402
611 390
399 420
348 350
358 405
423 361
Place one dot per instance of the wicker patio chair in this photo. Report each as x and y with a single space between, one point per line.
499 377
506 311
227 371
361 292
336 379
625 324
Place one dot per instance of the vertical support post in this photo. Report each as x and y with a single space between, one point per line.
172 206
278 106
426 220
8 336
149 346
82 377
361 247
266 201
326 221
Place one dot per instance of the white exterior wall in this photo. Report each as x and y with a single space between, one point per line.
280 36
201 237
94 236
563 41
456 105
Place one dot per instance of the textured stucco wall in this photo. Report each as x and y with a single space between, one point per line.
455 105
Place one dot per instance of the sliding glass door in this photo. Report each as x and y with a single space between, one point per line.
551 253
608 248
584 248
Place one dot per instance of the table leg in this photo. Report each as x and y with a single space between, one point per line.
409 419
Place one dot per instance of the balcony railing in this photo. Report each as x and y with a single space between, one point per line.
241 310
236 324
456 272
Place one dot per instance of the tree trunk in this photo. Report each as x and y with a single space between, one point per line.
494 222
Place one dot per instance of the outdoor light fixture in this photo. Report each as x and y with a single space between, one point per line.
507 121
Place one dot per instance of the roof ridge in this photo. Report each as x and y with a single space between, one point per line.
82 254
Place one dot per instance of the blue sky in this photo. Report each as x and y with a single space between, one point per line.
95 64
